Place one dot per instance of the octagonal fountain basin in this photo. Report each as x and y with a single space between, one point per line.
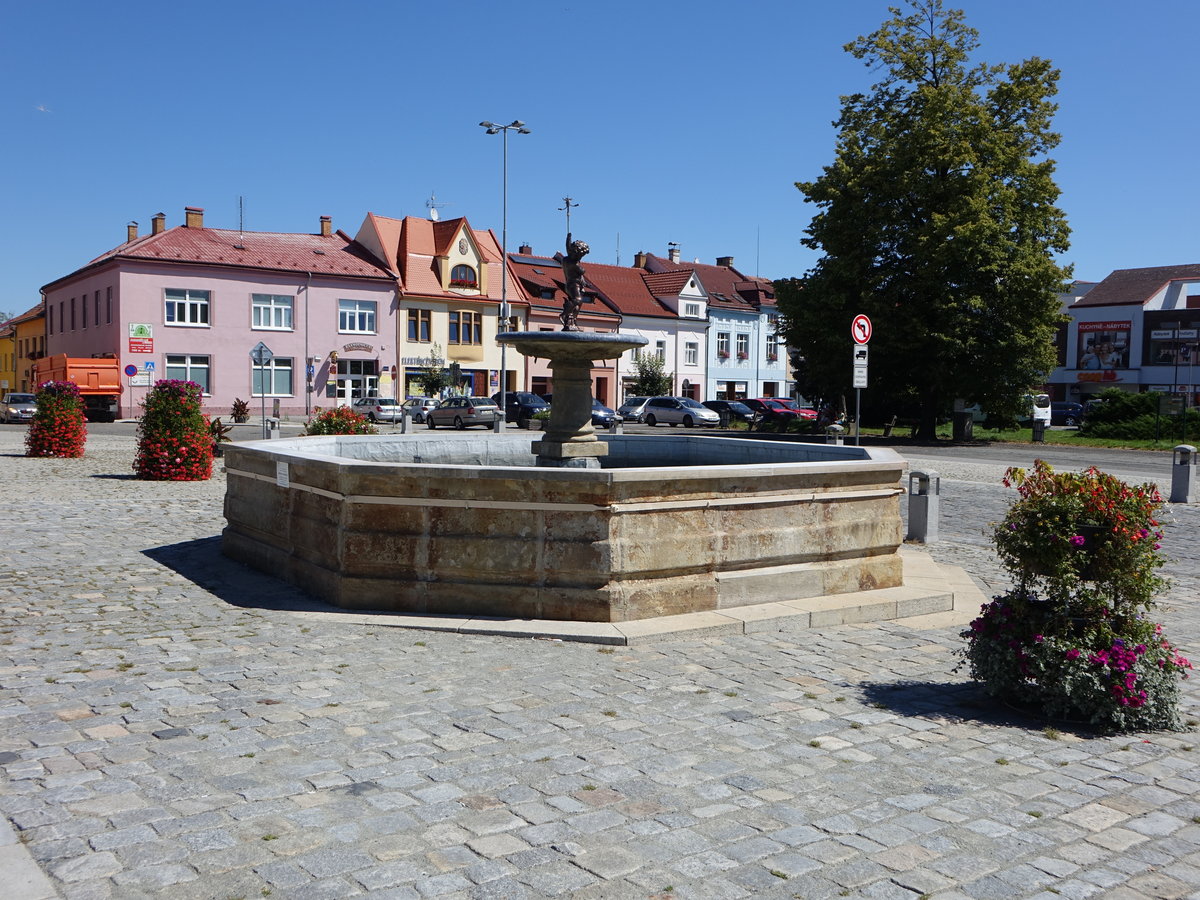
470 526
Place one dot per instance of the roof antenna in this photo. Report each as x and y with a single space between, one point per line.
433 206
241 223
618 248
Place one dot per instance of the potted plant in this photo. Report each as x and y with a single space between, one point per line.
219 432
174 439
58 427
240 411
742 354
339 420
1074 638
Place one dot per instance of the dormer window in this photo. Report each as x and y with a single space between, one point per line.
691 310
463 277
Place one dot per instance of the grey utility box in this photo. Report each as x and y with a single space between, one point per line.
924 494
1183 474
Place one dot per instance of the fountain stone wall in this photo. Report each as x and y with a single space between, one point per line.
470 526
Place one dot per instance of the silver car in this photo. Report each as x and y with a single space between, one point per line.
678 411
633 408
416 407
463 411
18 408
377 409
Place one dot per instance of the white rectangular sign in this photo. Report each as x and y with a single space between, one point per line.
860 376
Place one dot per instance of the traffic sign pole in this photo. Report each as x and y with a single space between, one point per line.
860 331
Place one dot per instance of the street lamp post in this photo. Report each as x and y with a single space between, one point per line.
492 128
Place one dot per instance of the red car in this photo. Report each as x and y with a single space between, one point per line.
773 408
809 414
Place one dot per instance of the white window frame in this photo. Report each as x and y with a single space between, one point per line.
195 306
357 316
691 310
723 344
691 353
271 372
660 350
191 364
272 312
743 345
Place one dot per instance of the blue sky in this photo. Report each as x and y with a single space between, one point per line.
666 122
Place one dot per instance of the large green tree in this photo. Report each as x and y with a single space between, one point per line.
937 219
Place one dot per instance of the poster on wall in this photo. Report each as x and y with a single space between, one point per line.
1103 345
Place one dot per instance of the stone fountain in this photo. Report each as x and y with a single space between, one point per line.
574 526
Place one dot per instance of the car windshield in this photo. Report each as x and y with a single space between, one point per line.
692 404
20 398
739 407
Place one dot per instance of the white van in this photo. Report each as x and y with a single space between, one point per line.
1039 408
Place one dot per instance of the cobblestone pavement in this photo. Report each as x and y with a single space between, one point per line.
169 728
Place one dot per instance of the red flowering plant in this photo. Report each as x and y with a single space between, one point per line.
174 440
1072 638
58 427
339 420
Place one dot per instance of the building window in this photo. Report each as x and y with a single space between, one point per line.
743 346
420 325
356 316
273 311
660 350
691 310
97 308
772 346
72 313
189 368
691 353
187 307
50 318
723 345
83 311
276 376
463 277
108 304
466 328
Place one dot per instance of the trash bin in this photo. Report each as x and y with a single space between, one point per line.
1183 474
1039 431
723 415
833 434
964 426
924 499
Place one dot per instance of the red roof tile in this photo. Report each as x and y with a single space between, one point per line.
1129 286
277 251
726 286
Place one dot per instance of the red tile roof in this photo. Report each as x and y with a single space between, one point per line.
540 273
277 251
726 286
622 289
1130 286
667 284
29 315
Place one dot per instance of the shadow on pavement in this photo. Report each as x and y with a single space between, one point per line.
960 702
201 562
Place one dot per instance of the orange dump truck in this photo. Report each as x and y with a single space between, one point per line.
99 382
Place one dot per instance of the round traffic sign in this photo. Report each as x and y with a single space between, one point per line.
131 370
860 329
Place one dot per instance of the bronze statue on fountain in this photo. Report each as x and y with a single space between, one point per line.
573 279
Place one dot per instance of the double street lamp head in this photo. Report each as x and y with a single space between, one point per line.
517 125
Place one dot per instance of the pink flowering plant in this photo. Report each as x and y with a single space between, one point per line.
1073 638
174 440
339 420
58 428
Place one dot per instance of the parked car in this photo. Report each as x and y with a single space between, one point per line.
737 411
520 406
1066 413
416 407
633 408
678 411
802 412
377 409
772 409
602 416
463 411
18 408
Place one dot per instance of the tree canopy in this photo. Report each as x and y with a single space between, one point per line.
937 219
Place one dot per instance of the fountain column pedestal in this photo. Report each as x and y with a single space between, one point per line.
570 440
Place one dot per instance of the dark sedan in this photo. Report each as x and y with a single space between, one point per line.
734 409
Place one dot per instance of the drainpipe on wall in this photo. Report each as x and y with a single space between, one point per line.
308 382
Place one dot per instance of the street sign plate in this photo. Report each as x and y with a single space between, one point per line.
860 376
860 356
261 354
860 329
131 370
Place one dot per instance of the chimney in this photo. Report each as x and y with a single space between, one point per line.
639 259
158 224
326 226
193 217
131 234
725 261
525 250
673 254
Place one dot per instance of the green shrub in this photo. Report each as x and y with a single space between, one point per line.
58 427
339 420
174 438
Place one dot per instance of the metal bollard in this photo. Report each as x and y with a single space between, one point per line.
617 426
498 424
1183 474
272 427
924 493
833 434
404 421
